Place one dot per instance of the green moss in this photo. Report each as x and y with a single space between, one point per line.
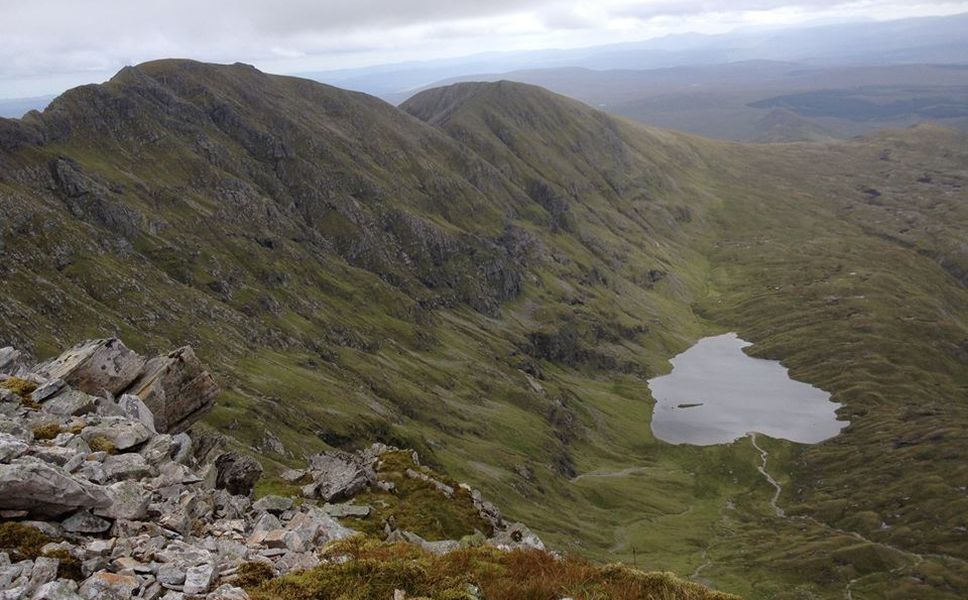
22 541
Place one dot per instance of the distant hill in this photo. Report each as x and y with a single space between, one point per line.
491 273
925 40
14 108
736 100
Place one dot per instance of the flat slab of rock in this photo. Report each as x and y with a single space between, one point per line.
46 491
123 433
95 366
71 403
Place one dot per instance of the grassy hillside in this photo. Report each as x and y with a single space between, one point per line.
491 275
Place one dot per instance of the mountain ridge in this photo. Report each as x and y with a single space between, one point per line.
355 274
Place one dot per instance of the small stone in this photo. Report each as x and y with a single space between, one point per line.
62 589
347 510
44 571
109 586
199 579
228 592
100 547
292 475
11 447
129 500
273 504
171 575
136 410
85 522
126 466
123 433
47 390
71 403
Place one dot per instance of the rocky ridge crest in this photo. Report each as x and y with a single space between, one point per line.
106 497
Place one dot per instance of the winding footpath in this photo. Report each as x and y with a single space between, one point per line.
914 558
764 455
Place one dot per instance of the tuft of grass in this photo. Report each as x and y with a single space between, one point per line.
47 431
377 569
416 505
23 388
253 574
100 443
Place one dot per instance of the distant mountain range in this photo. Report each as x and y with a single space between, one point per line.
794 84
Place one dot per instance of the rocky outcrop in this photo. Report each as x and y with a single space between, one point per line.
136 512
175 388
95 366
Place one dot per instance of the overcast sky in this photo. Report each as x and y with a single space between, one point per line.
47 46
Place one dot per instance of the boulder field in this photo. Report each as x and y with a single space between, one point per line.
104 495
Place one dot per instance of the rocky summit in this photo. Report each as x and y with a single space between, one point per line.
101 499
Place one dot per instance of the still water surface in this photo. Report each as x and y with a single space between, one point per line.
716 393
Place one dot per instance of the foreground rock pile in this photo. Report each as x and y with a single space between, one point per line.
94 462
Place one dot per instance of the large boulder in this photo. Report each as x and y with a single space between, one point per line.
46 491
338 475
95 366
237 473
176 388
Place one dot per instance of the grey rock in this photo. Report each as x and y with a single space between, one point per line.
61 589
443 487
129 500
136 410
127 466
266 522
159 449
347 510
85 522
273 504
237 473
11 447
171 575
10 360
71 403
338 475
54 454
100 547
44 571
104 585
94 366
228 592
515 536
176 388
123 433
292 475
183 448
199 579
47 390
46 491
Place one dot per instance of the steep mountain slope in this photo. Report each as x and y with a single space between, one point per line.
491 278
